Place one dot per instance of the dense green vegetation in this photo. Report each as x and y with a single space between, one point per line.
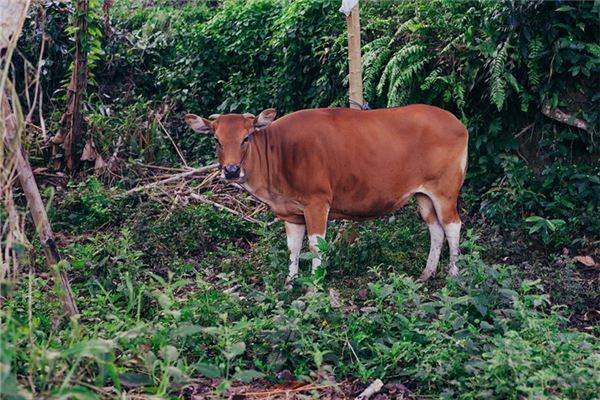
178 300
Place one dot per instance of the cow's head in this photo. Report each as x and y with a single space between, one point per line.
233 137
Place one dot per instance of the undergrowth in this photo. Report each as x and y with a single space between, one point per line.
146 328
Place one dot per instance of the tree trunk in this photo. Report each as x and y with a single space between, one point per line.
38 211
72 120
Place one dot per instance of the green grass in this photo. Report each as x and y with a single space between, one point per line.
156 311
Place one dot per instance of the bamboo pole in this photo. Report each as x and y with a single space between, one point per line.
11 127
354 59
36 205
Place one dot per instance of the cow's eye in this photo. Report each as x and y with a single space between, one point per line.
246 140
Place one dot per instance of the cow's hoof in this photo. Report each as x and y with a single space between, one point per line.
453 272
311 291
289 283
426 275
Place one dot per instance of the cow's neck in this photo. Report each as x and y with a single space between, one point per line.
260 165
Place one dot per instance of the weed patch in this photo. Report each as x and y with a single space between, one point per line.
488 333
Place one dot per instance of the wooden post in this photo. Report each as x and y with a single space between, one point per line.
355 91
354 59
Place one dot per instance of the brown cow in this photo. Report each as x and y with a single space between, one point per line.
320 164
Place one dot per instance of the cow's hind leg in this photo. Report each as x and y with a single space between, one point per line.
436 234
446 210
316 215
295 236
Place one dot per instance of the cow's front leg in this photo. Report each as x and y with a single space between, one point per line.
316 215
295 236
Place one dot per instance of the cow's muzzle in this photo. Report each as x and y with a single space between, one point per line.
232 171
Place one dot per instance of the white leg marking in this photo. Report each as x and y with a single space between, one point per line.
453 235
312 244
295 235
436 234
463 161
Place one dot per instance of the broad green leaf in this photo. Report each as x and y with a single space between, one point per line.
247 375
208 370
235 350
565 8
169 353
187 330
211 330
134 379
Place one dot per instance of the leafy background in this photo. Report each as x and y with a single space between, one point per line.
152 281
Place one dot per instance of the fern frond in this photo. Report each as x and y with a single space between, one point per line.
431 79
376 54
405 27
498 85
394 67
388 72
536 48
372 49
459 94
594 48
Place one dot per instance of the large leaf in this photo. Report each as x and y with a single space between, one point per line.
247 375
235 350
208 370
187 330
134 379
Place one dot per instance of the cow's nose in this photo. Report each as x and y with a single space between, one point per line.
232 171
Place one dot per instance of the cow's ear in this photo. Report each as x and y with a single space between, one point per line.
199 124
265 118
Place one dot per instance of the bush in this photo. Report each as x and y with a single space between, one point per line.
87 205
565 194
187 235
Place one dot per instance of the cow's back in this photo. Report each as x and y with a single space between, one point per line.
369 162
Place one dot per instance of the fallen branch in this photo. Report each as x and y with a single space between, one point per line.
565 118
172 178
175 189
150 166
205 200
278 391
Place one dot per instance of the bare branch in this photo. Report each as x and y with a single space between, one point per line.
560 116
172 178
172 141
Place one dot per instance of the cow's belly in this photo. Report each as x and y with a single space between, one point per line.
360 201
367 207
370 192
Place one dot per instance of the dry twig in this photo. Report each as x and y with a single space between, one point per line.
172 178
205 200
174 189
172 141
